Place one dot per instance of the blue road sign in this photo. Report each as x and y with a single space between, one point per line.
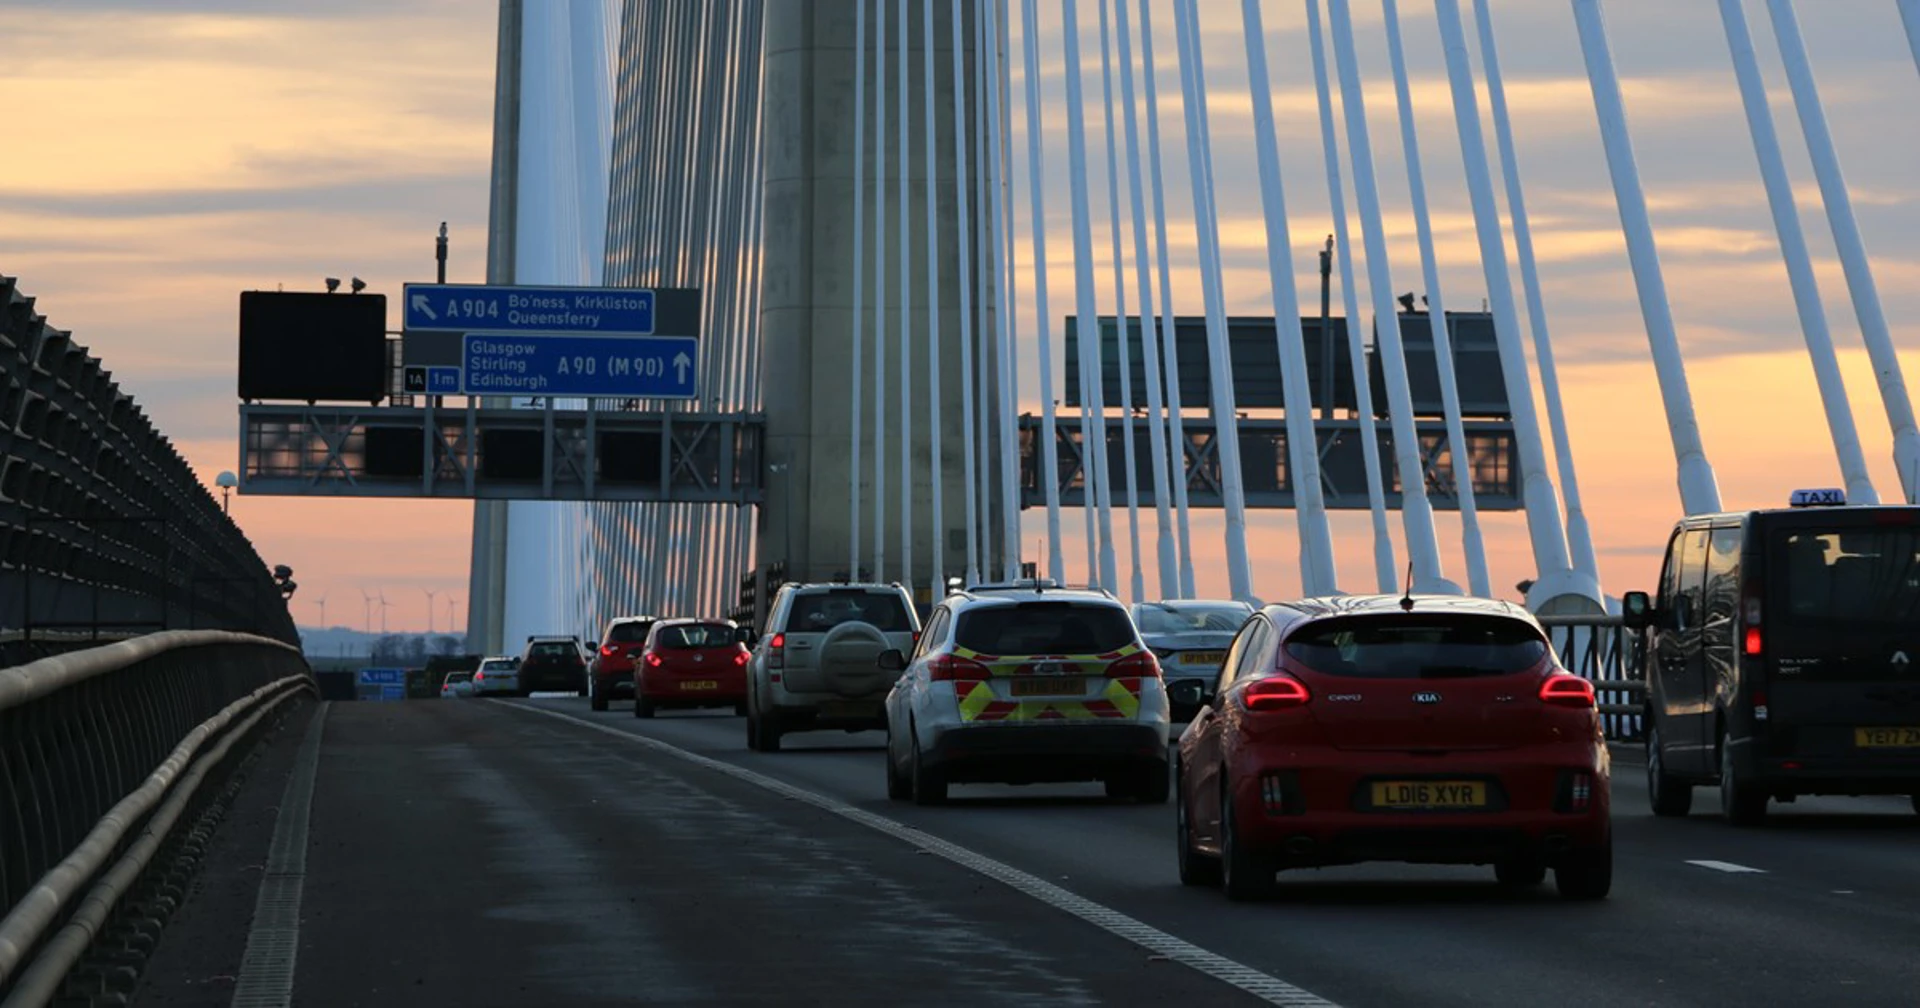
443 381
637 367
383 677
469 308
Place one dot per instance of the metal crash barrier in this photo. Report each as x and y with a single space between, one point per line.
101 754
1613 658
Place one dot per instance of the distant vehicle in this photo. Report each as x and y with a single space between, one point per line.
553 665
457 684
1782 656
610 673
1371 728
691 663
1190 638
817 667
497 677
1024 685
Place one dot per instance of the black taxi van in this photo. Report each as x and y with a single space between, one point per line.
1781 658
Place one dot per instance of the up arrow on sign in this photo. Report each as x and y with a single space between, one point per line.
681 364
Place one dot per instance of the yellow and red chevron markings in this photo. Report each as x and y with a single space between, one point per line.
1120 699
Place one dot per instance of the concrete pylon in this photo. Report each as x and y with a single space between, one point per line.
807 288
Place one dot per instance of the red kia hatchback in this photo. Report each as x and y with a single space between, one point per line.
691 663
1425 730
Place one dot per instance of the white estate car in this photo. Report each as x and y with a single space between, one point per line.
1025 685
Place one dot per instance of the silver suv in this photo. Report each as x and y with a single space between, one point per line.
817 667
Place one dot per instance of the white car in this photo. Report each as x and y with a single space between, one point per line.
457 684
497 677
817 668
1027 685
1190 637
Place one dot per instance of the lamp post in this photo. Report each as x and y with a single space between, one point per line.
226 481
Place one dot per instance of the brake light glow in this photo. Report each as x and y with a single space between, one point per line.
1564 690
653 660
777 652
739 657
1142 665
609 650
946 667
1275 693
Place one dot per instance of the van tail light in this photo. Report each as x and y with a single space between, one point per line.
1751 640
1142 665
653 661
1563 690
777 652
1275 693
948 667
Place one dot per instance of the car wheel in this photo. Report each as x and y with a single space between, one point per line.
1585 874
642 707
1740 803
1196 869
1153 785
1244 874
1669 795
765 737
1520 873
929 785
596 698
899 785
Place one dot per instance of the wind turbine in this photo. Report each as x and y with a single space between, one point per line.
322 603
430 594
367 622
452 600
384 606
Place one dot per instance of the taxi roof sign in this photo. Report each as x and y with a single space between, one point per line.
1825 497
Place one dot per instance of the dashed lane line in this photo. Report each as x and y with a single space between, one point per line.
1729 867
1267 988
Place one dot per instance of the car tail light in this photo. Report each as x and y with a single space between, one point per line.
1563 690
943 667
653 661
739 657
1580 797
1142 665
1751 640
1275 693
477 676
609 650
777 652
1273 794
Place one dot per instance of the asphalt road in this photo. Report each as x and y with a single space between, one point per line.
504 852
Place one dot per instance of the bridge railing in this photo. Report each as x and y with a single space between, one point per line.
102 752
1612 657
106 533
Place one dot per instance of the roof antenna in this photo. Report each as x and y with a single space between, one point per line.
1406 601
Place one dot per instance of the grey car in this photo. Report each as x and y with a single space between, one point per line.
1190 637
817 666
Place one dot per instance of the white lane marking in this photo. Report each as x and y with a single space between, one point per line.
1267 988
1729 867
273 942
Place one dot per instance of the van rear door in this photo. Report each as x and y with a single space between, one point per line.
1839 631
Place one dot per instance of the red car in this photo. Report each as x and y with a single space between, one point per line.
691 663
1428 730
610 673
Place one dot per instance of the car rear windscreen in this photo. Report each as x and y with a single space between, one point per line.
1045 628
629 633
497 666
690 636
554 650
1160 619
820 612
1850 579
1417 647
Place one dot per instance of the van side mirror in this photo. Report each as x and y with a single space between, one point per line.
891 660
1636 610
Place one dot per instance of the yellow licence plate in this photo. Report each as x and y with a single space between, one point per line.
1213 658
1048 686
1429 794
1886 738
699 684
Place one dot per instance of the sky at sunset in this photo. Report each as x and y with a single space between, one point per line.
163 157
